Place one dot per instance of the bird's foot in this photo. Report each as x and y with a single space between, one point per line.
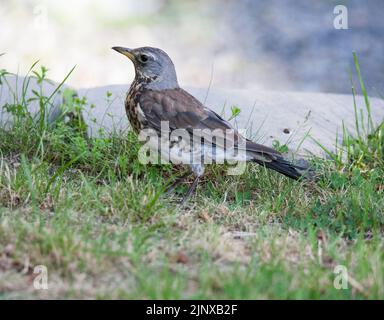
174 184
190 191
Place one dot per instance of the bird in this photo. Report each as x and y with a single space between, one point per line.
155 97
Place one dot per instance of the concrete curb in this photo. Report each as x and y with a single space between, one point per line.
268 115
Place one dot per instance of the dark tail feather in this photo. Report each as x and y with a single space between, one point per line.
287 168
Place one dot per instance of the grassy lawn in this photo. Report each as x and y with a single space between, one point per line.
102 225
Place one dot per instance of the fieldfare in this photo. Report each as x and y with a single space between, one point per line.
155 98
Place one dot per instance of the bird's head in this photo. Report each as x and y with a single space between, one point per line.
153 66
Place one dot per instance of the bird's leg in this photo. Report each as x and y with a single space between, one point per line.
174 184
190 190
198 170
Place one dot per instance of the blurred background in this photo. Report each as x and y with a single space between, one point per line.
277 45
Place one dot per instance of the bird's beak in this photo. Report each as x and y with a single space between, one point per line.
125 51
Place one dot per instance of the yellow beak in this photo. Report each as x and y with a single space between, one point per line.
125 51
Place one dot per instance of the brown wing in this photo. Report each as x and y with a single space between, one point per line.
183 111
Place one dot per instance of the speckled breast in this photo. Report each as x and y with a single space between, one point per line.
131 103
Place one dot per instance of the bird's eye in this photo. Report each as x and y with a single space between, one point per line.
143 58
